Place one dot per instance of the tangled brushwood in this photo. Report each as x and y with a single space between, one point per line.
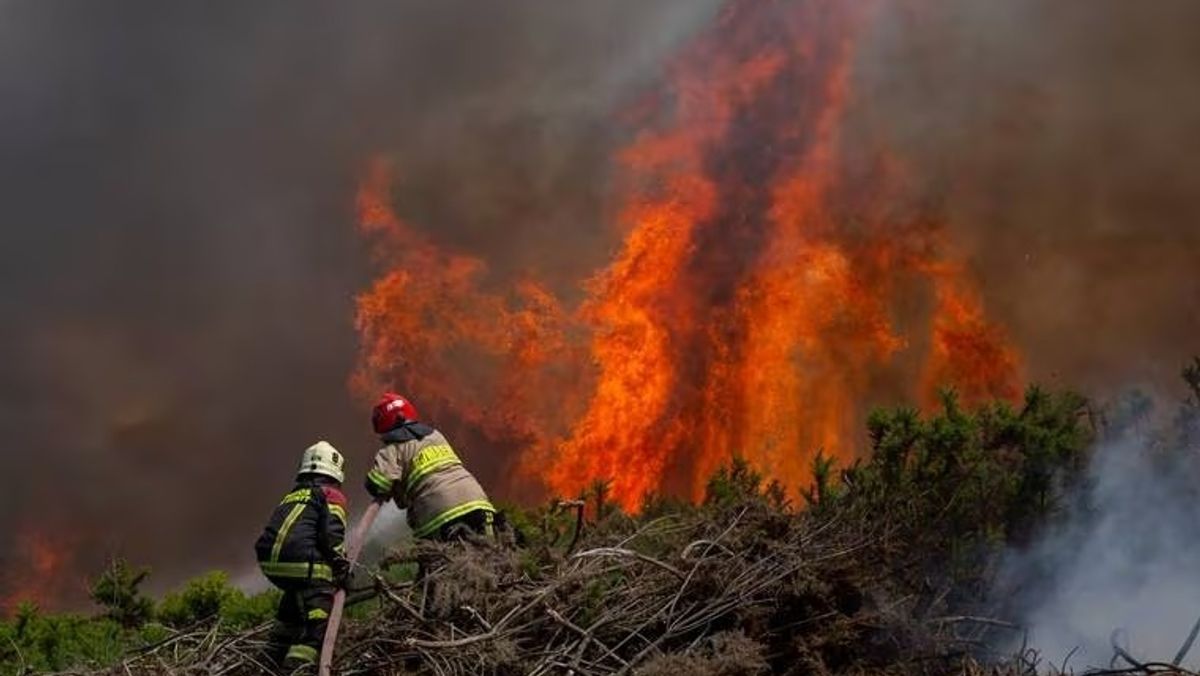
728 592
742 590
883 567
745 589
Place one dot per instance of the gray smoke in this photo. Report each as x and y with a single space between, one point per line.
1062 140
1123 564
178 255
178 258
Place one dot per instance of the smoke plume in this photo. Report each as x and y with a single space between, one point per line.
178 257
1062 140
1121 567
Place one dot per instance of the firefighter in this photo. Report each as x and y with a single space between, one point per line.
419 469
302 551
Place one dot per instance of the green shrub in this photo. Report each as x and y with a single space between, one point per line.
210 597
825 488
957 486
732 484
739 483
116 591
35 642
199 600
240 611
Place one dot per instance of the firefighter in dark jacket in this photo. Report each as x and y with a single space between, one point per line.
302 551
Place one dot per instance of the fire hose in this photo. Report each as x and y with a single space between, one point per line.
357 538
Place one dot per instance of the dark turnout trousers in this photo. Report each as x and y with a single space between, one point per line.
479 523
300 624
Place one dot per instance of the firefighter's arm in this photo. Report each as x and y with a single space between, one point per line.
386 474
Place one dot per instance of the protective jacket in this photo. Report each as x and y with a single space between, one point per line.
420 470
305 539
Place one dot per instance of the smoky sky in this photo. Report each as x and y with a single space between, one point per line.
1062 141
178 257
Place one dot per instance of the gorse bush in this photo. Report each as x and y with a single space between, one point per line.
958 486
200 599
116 591
32 641
956 481
740 482
210 597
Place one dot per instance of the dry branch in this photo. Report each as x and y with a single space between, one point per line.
711 592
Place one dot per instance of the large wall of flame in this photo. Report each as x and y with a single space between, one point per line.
747 309
178 262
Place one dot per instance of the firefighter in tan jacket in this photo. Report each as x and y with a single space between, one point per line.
419 469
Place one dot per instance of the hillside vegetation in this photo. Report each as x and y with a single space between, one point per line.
884 567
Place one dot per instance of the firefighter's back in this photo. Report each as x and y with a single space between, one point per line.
439 487
288 550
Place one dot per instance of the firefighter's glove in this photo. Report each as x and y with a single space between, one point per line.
343 571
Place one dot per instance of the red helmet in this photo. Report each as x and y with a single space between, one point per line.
392 410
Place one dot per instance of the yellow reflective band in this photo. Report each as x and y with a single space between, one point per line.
317 614
298 570
451 514
302 495
381 482
283 530
428 461
303 653
339 512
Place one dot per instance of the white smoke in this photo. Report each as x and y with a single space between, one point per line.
1127 560
389 532
250 580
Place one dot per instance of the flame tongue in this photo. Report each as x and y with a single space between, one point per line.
750 304
35 570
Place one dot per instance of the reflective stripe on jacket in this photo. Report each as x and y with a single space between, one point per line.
305 535
422 473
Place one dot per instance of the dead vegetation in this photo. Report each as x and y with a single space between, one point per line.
885 569
746 590
735 591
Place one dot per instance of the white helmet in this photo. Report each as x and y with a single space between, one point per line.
323 458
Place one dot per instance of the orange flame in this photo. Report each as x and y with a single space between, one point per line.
466 351
969 351
749 308
34 571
